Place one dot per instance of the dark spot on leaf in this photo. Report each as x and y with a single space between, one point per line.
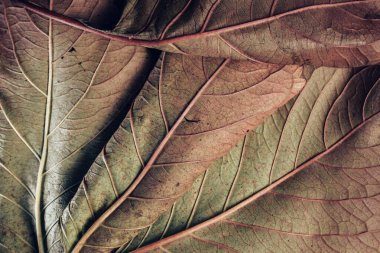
72 49
192 120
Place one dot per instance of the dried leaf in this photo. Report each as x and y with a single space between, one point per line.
314 187
62 93
89 165
191 111
342 33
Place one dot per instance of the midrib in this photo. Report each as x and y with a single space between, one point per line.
41 169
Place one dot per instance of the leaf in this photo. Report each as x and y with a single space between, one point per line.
190 112
62 94
74 180
341 33
306 180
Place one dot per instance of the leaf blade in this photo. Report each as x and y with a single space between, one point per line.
170 98
316 189
279 32
45 69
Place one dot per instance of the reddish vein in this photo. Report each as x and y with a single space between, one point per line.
171 23
209 14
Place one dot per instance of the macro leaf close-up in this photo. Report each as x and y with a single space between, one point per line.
189 126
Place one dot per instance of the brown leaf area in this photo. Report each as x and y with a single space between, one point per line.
205 115
339 33
256 130
327 204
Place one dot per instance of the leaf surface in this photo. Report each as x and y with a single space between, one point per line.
62 91
191 111
74 180
342 33
306 180
338 33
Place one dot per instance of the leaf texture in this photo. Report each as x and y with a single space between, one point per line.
107 147
191 111
62 91
338 33
310 188
342 33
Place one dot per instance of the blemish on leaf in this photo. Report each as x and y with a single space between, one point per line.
192 120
